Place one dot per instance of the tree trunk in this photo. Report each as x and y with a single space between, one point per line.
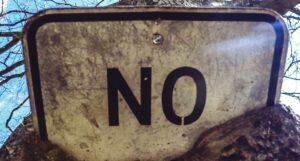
270 133
279 6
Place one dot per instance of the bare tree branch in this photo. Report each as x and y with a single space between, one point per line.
10 77
296 79
15 23
11 68
295 11
12 113
61 3
292 17
16 11
10 44
11 34
97 5
292 63
292 94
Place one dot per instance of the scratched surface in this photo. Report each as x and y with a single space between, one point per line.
234 57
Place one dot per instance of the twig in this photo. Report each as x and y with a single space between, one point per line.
15 23
11 34
12 113
292 17
16 11
11 68
97 5
61 3
10 44
8 78
295 11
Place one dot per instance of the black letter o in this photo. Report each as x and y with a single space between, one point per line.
167 95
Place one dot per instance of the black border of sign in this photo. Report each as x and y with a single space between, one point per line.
158 15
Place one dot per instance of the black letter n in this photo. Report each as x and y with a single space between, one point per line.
115 83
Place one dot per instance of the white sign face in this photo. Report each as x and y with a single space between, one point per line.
143 84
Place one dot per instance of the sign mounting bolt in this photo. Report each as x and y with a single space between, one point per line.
157 39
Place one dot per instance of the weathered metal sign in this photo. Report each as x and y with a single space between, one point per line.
144 83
